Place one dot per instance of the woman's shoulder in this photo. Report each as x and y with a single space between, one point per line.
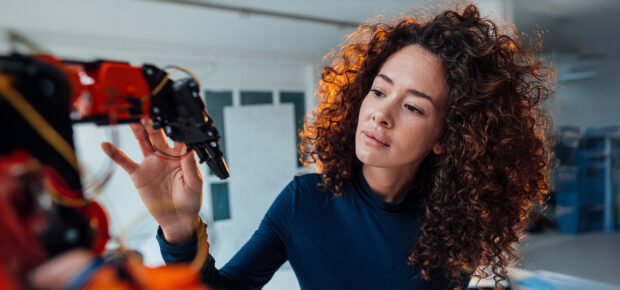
305 188
299 196
308 181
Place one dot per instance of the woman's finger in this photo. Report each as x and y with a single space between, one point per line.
179 148
119 157
191 173
157 136
142 138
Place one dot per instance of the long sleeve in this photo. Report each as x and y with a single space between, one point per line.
256 262
355 241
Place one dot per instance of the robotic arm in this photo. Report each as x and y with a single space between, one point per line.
108 92
42 96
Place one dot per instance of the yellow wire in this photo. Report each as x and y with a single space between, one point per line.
63 200
161 84
202 248
38 123
32 47
165 79
53 138
45 130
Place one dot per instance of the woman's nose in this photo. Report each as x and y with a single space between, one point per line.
383 116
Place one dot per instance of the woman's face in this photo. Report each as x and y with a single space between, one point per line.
401 117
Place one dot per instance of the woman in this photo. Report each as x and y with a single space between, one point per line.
429 139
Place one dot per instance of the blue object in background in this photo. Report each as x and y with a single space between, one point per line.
567 199
586 187
544 280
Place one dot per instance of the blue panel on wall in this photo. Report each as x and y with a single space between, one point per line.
220 201
216 101
298 101
256 98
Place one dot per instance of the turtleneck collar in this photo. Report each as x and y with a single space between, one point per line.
366 193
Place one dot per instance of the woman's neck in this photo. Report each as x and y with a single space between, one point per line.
388 183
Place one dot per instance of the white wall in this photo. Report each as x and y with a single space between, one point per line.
119 196
242 68
226 50
262 160
590 101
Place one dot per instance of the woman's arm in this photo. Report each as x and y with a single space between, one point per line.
254 265
251 267
171 189
172 192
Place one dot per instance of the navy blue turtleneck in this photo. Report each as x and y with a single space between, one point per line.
356 241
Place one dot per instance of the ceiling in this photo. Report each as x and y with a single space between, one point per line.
142 26
589 27
575 30
582 37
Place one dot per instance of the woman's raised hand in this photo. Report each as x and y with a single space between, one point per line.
171 189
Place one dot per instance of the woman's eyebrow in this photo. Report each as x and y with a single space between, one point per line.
411 91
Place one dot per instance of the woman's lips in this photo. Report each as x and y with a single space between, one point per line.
370 140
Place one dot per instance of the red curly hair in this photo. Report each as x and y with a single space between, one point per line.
494 169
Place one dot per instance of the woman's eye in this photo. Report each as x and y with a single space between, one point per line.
412 108
377 93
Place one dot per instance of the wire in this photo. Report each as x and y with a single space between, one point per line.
186 70
53 138
95 184
161 84
202 251
202 248
154 92
60 194
36 121
15 37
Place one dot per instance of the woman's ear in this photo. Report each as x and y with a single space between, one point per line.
437 149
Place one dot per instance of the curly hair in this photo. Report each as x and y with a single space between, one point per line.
479 193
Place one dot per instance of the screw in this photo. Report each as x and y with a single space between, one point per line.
47 87
210 133
195 94
149 71
72 235
168 129
213 144
156 110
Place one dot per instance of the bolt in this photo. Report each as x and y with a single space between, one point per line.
168 129
210 133
74 116
149 71
195 94
156 110
213 144
31 70
72 235
47 87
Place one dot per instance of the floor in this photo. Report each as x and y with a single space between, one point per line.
594 256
